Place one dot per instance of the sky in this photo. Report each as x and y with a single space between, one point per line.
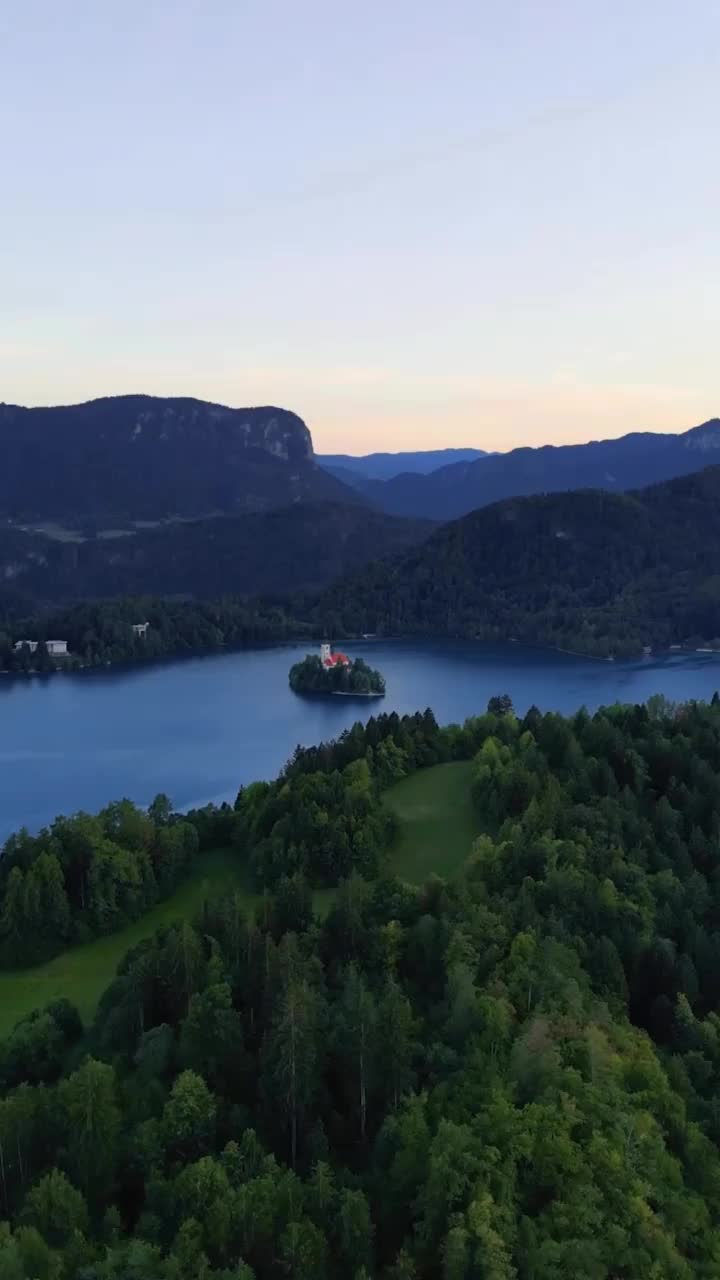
415 224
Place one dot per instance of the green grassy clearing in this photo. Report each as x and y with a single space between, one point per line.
437 829
437 821
82 973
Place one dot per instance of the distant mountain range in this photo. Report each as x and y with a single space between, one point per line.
181 498
630 462
146 458
593 571
299 547
114 461
383 466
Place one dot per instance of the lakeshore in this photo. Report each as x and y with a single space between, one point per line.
349 693
198 728
71 665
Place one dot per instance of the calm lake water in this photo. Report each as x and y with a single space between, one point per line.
198 728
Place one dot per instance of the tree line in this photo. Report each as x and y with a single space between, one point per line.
101 633
324 817
89 874
509 1076
600 573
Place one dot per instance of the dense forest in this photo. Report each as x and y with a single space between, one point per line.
87 875
294 548
90 874
510 1076
596 572
101 633
599 573
311 676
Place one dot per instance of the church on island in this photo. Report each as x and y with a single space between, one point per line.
330 659
335 673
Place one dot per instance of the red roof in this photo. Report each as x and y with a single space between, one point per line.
336 660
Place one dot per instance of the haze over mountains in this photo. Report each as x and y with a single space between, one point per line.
630 462
383 466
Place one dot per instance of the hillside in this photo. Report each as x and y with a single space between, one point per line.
383 466
631 462
144 458
492 1054
291 548
597 572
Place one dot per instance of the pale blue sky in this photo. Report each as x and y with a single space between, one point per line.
415 224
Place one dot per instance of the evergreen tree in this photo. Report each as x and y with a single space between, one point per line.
91 1119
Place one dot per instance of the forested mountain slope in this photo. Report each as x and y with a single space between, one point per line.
593 571
297 547
147 457
631 462
512 1075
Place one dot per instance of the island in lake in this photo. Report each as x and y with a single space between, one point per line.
335 673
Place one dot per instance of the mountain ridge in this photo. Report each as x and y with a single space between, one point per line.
149 457
385 466
632 461
590 570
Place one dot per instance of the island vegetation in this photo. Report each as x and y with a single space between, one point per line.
511 1073
311 675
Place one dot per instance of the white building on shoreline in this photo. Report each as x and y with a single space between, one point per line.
55 648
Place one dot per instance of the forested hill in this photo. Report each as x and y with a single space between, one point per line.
297 547
631 462
595 572
591 571
146 457
510 1074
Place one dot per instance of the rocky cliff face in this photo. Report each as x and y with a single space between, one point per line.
147 458
704 439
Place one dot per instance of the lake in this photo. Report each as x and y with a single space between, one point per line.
198 728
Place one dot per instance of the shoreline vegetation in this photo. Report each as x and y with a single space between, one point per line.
428 802
595 574
109 633
497 1049
112 633
146 652
85 876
